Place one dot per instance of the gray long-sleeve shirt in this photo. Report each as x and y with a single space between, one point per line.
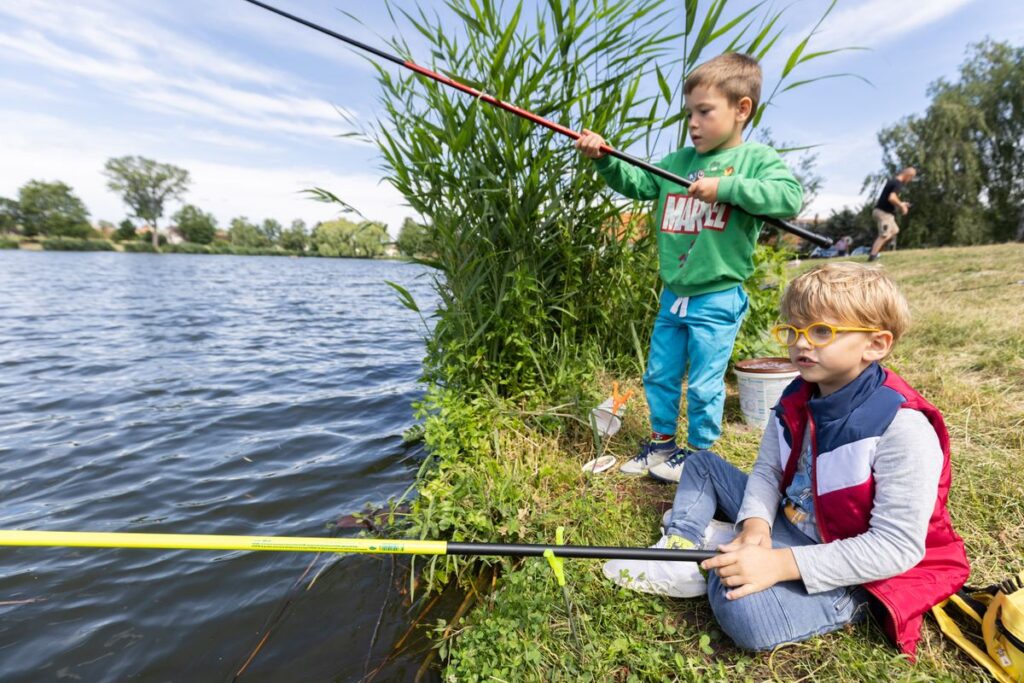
906 467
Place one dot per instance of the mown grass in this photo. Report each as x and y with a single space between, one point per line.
505 475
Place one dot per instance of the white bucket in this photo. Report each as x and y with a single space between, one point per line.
604 420
761 381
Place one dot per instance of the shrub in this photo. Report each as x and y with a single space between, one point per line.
9 243
187 248
195 225
125 231
764 288
76 244
139 247
537 276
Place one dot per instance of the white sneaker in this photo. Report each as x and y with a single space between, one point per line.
670 470
660 577
650 455
715 534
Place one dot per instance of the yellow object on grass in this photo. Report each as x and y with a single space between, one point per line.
999 610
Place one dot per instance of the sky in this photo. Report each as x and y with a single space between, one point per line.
255 106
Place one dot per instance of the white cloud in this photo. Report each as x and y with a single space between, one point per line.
270 29
231 190
50 148
120 31
145 65
9 87
827 202
870 24
880 21
208 136
843 163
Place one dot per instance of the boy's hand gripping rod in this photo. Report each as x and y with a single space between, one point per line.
803 233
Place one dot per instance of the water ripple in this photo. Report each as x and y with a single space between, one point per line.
193 394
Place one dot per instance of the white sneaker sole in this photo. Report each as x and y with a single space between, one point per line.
640 471
666 474
694 588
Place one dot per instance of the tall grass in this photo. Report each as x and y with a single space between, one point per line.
533 273
515 482
542 271
546 280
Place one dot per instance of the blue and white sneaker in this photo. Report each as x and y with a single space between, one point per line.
651 453
671 469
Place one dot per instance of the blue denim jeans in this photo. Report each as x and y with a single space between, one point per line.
784 613
699 331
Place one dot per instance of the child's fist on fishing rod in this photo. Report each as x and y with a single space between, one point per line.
590 143
751 568
704 189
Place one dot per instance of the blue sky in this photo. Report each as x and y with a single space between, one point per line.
250 103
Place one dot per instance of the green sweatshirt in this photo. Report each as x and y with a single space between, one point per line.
710 248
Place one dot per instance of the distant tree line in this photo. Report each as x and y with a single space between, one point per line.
52 211
968 149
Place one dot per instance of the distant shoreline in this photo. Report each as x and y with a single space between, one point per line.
140 247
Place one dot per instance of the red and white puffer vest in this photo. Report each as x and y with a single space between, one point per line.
845 428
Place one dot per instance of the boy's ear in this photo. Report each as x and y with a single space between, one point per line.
744 109
880 345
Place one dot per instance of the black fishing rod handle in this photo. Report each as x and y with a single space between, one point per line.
579 552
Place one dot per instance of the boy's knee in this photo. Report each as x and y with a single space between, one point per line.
705 393
751 622
702 461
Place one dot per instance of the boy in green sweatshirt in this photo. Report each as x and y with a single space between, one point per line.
706 237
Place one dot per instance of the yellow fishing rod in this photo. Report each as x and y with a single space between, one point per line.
303 544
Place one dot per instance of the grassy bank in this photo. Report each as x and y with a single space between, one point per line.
504 473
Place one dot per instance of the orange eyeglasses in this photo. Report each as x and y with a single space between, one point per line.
817 334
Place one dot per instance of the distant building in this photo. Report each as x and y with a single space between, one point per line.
171 233
174 235
629 226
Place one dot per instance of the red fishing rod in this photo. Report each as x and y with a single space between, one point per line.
803 233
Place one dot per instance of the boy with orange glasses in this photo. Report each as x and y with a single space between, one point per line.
856 462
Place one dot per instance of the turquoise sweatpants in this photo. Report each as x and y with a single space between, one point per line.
698 331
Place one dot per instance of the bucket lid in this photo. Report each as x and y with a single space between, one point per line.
772 364
602 464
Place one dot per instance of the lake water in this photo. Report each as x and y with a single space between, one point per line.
204 395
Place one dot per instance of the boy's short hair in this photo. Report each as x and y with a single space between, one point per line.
735 74
846 292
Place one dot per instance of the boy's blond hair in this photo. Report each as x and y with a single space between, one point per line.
850 293
734 74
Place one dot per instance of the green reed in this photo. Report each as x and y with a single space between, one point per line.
541 271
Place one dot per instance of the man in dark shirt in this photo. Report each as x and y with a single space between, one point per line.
885 209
